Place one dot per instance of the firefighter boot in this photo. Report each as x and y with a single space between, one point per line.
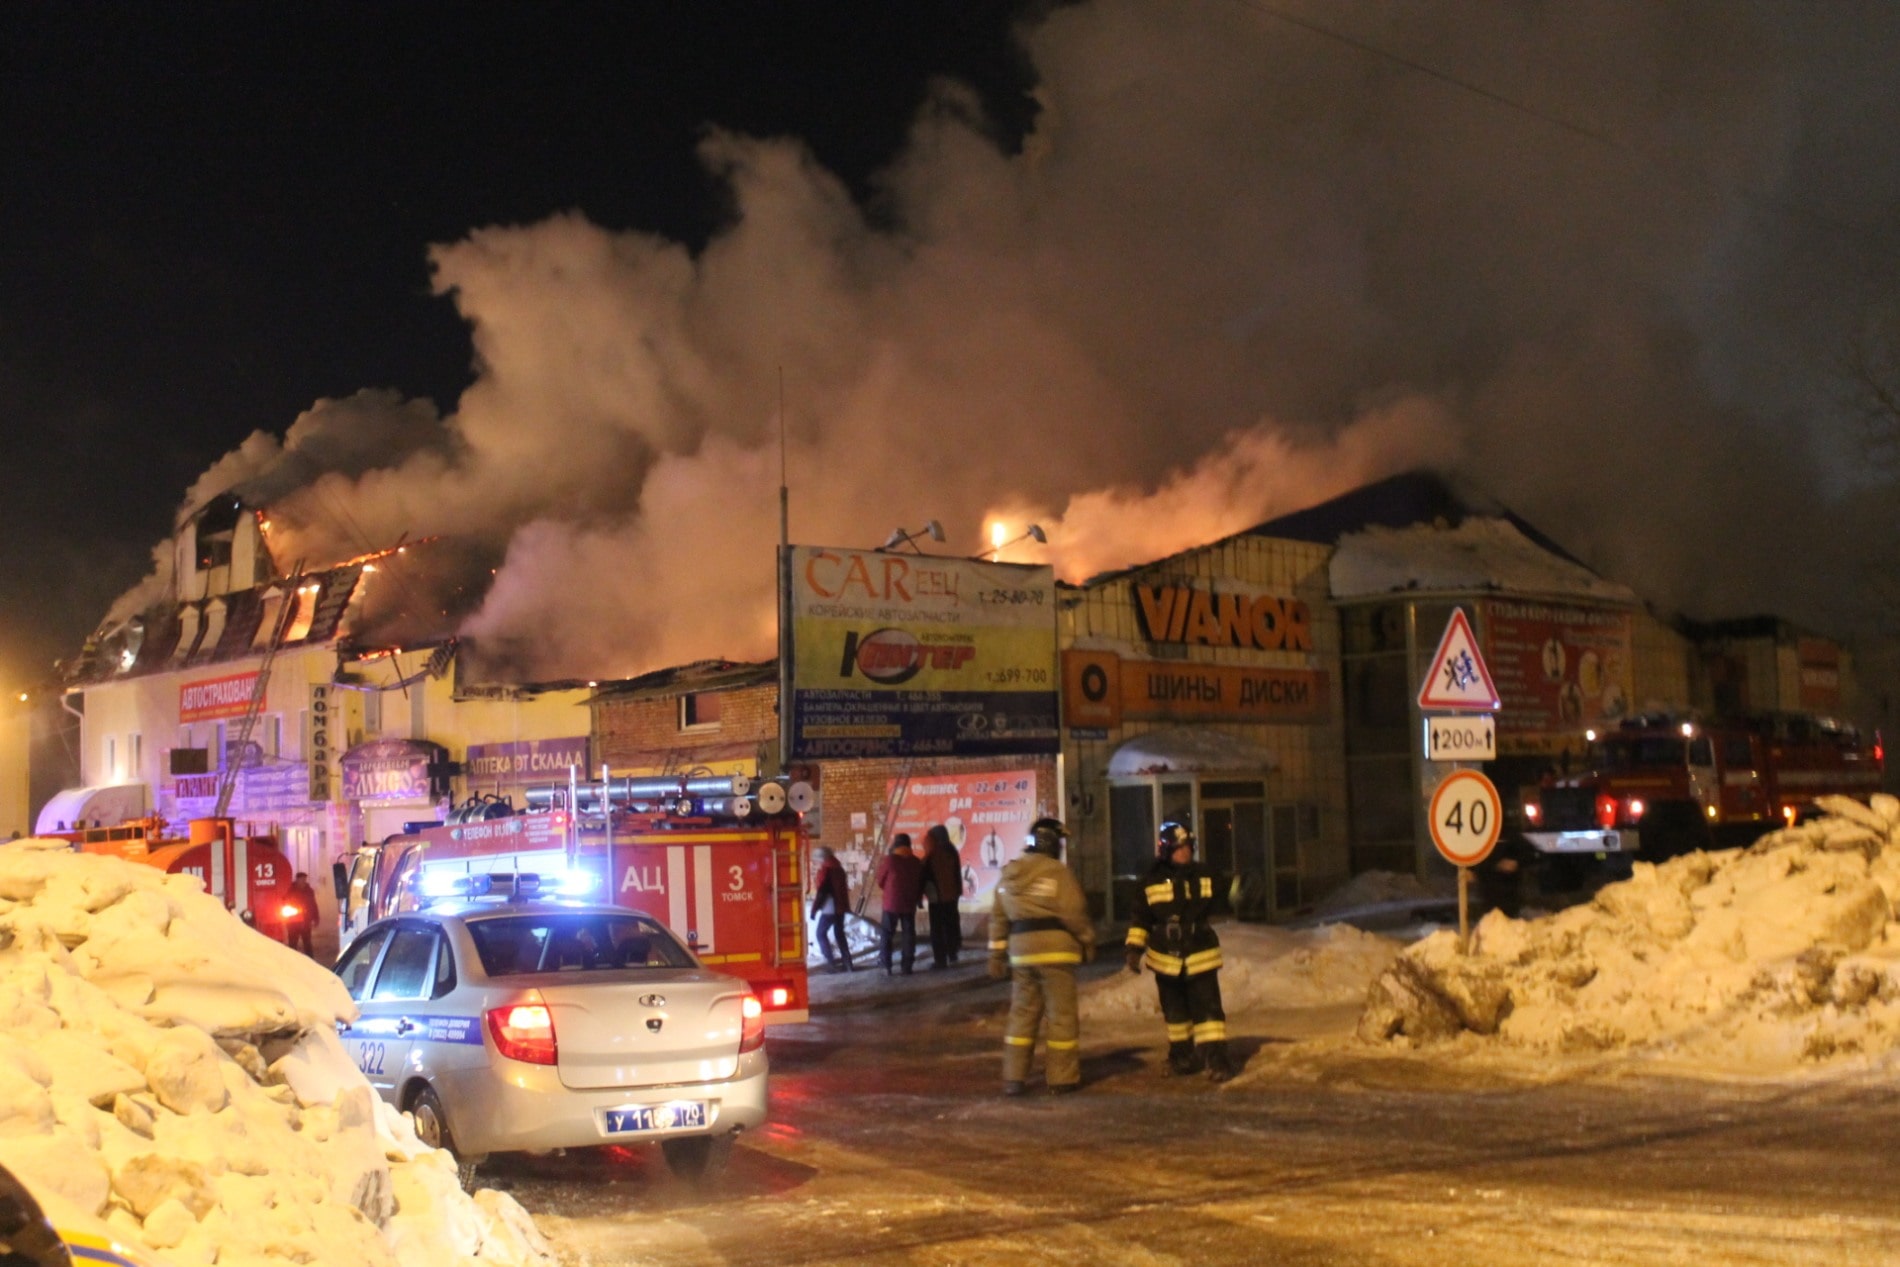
1182 1060
1219 1069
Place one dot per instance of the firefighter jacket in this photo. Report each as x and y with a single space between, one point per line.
1039 915
1170 920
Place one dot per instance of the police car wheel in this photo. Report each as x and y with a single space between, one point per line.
697 1158
432 1128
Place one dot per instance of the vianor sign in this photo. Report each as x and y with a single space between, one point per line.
1203 618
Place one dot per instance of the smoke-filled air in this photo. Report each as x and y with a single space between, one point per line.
1236 266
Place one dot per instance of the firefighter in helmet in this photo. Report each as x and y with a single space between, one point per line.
1039 933
1171 935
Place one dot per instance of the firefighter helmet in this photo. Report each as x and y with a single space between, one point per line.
1046 836
1172 836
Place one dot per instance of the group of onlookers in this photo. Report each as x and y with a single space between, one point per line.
906 884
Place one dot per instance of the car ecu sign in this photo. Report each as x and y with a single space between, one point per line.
901 655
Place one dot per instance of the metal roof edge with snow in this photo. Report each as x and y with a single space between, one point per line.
1189 750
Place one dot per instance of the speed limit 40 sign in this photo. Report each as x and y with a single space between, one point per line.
1466 815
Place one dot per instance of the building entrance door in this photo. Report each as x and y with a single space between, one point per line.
1234 851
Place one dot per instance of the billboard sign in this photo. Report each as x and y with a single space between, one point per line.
388 769
209 699
1559 668
1102 690
987 814
907 655
525 761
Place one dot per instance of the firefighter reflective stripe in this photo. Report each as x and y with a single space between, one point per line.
1000 946
1207 886
1207 1032
1020 1040
1203 961
1173 965
1180 1033
1060 1044
1137 937
1159 893
1046 956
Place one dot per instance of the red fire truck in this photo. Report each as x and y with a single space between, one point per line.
244 868
1661 785
717 860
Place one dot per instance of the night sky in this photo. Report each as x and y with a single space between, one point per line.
214 214
549 279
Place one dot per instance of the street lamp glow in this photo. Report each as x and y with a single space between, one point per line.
998 535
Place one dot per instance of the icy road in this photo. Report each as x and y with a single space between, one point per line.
891 1145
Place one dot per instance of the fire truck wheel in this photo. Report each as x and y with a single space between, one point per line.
697 1158
432 1128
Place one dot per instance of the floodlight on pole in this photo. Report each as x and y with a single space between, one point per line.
1033 532
901 537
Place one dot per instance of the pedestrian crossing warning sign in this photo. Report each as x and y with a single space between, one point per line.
1458 678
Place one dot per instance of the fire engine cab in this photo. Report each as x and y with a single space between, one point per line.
1661 785
718 860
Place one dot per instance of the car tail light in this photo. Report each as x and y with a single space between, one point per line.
1606 811
1532 811
288 912
776 996
523 1031
1634 808
752 1023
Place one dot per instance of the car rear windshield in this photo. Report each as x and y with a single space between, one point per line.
510 945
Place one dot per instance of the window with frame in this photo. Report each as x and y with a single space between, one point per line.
355 967
700 710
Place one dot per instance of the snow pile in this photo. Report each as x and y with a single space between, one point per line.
1384 890
1262 967
1765 959
175 1076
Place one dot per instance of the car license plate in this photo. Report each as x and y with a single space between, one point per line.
645 1118
1589 842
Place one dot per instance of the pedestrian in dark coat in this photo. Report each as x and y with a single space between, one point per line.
830 899
943 889
900 877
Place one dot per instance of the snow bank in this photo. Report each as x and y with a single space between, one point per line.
1381 890
175 1076
1262 967
1783 955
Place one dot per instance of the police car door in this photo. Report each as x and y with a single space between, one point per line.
393 1009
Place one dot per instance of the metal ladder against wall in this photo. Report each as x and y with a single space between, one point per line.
893 805
260 689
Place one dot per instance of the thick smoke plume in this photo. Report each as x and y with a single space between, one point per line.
1237 267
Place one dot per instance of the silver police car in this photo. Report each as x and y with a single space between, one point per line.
528 1025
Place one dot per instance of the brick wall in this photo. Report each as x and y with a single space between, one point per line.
647 732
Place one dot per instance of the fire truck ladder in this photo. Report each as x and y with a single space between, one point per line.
286 614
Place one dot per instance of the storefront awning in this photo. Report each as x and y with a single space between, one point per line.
106 806
1190 750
